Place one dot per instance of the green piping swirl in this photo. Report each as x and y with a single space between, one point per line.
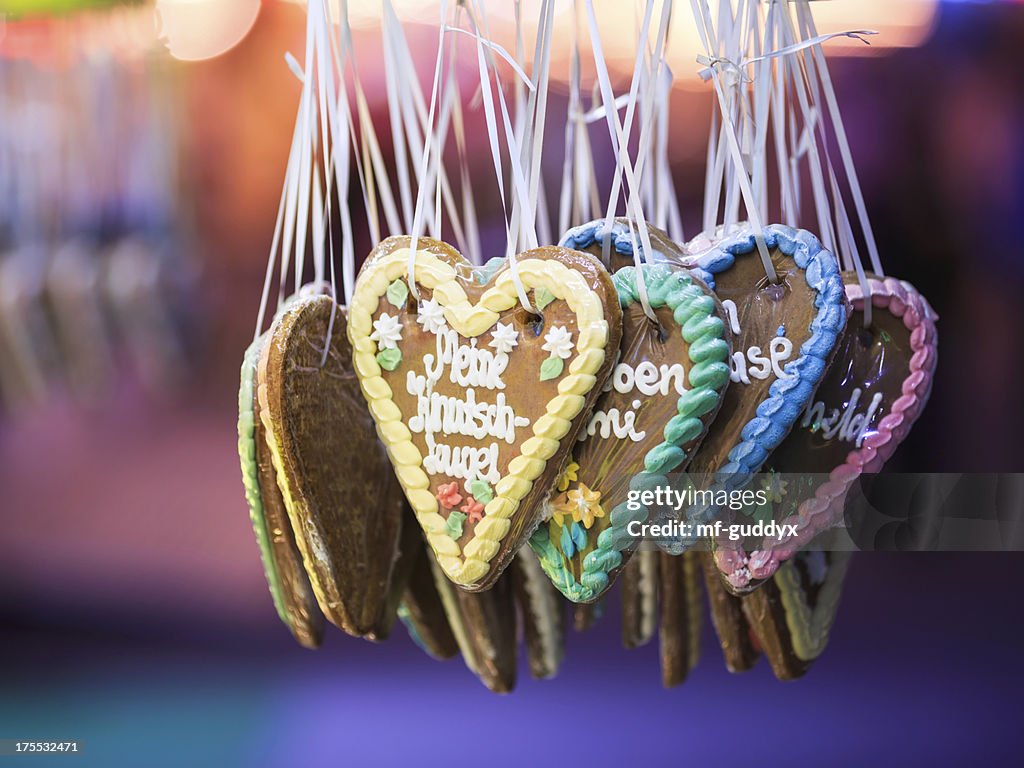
702 329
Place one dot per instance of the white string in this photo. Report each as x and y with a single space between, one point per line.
849 252
705 28
620 137
519 184
804 13
421 193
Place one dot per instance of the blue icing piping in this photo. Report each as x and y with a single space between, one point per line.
789 396
597 231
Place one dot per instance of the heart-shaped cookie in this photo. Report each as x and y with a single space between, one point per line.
343 501
477 400
792 614
282 562
652 414
864 408
784 335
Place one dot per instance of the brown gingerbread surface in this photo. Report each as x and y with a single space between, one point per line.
681 612
865 379
346 504
760 351
304 616
739 647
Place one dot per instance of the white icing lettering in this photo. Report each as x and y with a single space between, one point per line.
846 423
756 362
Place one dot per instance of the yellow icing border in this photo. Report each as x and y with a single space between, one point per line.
469 320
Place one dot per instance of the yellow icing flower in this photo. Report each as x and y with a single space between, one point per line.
568 476
582 504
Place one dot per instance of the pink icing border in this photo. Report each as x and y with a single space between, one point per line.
902 300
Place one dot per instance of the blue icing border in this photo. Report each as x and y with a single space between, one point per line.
597 231
789 396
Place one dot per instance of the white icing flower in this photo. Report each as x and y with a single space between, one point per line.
504 337
431 316
558 341
387 332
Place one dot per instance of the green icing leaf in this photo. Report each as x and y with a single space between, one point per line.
397 294
481 491
453 526
551 368
389 359
542 297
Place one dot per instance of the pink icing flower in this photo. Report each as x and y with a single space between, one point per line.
474 510
449 495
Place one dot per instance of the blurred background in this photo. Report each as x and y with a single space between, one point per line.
142 151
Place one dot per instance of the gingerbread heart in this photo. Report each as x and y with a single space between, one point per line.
343 501
651 416
784 335
477 401
864 408
282 562
792 614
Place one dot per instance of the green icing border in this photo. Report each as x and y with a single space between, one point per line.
704 331
250 473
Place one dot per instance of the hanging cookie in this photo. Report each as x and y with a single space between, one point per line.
422 611
740 647
784 334
586 615
477 400
681 612
484 625
864 408
282 562
792 614
639 588
541 610
651 416
343 501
